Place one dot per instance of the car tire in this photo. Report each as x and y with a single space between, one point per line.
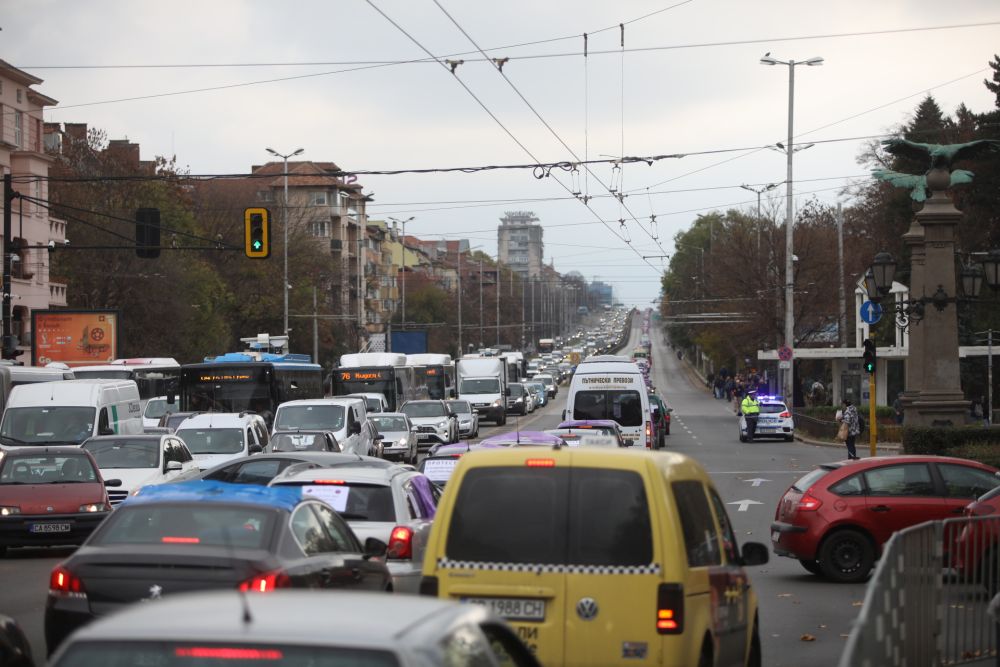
811 566
846 556
789 438
755 656
706 659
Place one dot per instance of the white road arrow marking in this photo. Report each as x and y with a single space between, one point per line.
744 504
757 481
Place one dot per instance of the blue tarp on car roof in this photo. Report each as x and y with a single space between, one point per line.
218 492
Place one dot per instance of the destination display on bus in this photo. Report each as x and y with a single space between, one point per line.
366 375
225 377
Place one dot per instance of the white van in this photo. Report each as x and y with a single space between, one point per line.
610 387
346 417
67 412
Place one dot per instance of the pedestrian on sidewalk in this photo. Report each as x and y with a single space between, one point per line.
897 407
850 419
729 388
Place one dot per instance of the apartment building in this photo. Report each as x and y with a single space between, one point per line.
22 154
519 240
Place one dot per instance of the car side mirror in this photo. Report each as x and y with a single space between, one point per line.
453 394
374 548
113 483
379 438
507 391
255 448
355 428
172 466
106 430
414 429
171 398
754 553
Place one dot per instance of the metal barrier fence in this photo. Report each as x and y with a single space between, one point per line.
815 428
927 602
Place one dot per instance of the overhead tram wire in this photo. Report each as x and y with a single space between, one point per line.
365 65
492 115
555 134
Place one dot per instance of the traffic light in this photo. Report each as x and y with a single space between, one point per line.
147 233
257 235
869 355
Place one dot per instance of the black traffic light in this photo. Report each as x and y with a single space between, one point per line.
869 355
257 234
147 233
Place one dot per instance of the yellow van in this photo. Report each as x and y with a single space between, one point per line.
598 557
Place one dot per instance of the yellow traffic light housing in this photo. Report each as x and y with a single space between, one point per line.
257 234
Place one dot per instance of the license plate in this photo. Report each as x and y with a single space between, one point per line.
775 536
513 609
49 528
765 429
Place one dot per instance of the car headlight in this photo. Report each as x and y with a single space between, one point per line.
8 510
93 507
443 424
497 403
520 400
402 441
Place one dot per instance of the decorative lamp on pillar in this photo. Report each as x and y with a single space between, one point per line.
870 286
884 270
972 280
991 267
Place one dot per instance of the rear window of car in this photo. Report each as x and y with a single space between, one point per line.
187 524
803 483
772 408
354 502
579 516
429 409
234 654
47 469
622 406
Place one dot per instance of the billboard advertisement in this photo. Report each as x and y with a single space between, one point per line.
409 342
74 337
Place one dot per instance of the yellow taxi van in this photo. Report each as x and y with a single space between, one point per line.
598 556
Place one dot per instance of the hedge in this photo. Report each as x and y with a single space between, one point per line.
972 442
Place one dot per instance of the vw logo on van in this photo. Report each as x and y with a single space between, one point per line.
586 608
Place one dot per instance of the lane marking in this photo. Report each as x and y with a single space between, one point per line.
757 481
744 504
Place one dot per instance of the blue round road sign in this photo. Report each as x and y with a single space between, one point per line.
871 312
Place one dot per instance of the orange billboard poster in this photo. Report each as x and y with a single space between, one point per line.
74 337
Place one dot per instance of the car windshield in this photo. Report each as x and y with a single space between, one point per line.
157 407
544 379
516 390
125 452
204 524
462 407
353 501
47 469
55 424
212 440
373 404
309 417
622 406
480 386
298 442
230 654
389 424
417 410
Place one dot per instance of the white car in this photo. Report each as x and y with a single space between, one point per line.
399 436
435 422
346 416
155 409
217 437
141 460
774 421
394 504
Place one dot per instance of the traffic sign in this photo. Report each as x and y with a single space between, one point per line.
785 365
871 312
785 353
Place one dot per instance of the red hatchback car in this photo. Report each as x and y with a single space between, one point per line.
836 518
50 496
975 550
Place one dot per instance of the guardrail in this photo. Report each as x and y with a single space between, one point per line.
813 427
927 602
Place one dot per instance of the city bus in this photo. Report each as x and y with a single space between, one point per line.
383 373
436 372
257 380
12 375
155 376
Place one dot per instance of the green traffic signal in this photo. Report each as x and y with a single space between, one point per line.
256 233
869 356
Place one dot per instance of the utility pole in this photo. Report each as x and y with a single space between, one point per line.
284 222
315 329
482 342
497 291
524 341
361 282
533 336
988 413
842 321
461 350
9 344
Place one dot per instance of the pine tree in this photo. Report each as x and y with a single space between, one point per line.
994 86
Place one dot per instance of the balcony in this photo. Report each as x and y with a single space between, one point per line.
57 294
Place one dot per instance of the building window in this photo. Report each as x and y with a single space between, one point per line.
265 195
19 96
319 228
317 199
18 127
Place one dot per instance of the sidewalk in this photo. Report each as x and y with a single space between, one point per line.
888 447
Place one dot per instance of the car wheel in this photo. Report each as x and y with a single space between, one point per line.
789 438
846 556
754 657
811 566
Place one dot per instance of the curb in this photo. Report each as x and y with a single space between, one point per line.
893 447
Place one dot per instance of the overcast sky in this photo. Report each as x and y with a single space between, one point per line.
705 93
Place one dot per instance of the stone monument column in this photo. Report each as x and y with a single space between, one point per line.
914 363
940 401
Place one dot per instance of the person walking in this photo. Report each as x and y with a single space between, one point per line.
750 409
897 407
850 419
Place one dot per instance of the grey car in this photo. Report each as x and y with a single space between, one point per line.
399 436
297 628
434 420
468 419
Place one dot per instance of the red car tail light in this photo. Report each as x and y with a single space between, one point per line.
65 583
266 582
540 463
400 543
670 609
785 415
226 653
808 503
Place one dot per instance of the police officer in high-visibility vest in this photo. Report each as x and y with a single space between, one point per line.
750 409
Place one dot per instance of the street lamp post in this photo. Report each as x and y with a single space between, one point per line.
284 223
789 213
759 191
402 317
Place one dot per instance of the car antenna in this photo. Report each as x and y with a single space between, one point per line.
244 604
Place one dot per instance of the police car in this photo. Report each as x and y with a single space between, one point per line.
774 420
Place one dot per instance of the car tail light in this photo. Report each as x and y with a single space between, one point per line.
329 481
171 539
649 435
785 415
670 609
65 583
400 543
808 503
979 509
540 463
226 653
429 586
266 582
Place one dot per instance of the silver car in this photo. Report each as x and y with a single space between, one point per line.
468 419
289 627
435 421
394 504
399 436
